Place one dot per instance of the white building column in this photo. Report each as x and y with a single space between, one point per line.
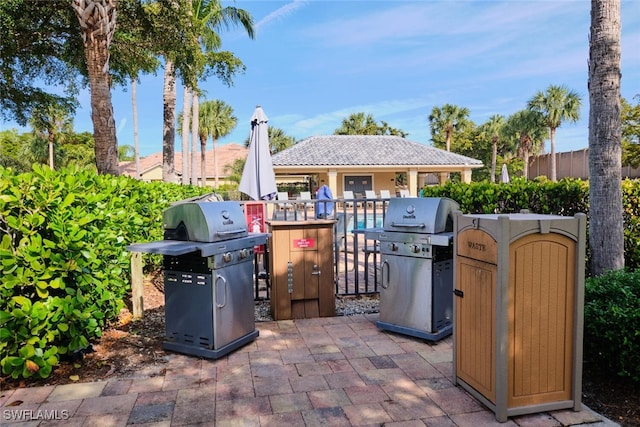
333 181
465 176
443 177
412 177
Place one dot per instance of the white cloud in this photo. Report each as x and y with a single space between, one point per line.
280 14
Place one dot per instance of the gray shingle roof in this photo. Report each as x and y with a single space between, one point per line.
366 150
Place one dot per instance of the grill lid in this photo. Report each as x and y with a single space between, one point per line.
204 221
425 215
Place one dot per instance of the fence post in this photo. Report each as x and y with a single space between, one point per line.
137 289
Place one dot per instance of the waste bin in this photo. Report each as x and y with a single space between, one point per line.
518 310
301 269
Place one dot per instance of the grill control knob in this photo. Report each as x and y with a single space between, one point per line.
415 249
393 246
243 253
227 257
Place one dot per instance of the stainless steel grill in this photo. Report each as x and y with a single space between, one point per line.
416 248
208 277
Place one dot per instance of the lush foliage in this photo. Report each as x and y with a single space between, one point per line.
565 197
20 151
63 258
612 323
612 301
631 133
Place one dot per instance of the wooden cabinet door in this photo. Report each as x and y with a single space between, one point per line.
541 311
475 325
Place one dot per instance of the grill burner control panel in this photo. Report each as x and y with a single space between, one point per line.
420 250
434 246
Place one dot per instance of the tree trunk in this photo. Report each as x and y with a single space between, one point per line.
97 19
134 108
203 160
195 115
52 137
169 122
552 139
494 159
186 119
215 162
606 235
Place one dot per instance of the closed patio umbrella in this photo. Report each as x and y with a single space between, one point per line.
258 179
504 175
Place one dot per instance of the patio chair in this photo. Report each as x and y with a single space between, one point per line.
348 195
404 193
385 194
304 195
283 196
370 195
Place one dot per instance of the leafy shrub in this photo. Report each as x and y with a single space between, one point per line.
63 258
612 323
565 197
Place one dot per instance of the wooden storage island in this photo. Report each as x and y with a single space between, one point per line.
301 269
518 310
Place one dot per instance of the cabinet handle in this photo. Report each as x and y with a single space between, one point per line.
458 293
315 271
384 284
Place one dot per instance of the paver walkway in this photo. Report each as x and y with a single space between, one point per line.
337 371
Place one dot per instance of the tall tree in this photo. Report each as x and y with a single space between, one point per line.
208 17
97 20
184 130
606 232
364 124
195 117
49 122
216 121
557 104
278 140
526 130
168 123
492 130
41 48
446 121
631 133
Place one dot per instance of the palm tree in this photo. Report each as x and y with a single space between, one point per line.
361 124
606 232
50 122
208 17
278 140
216 120
526 130
557 104
168 122
447 120
184 131
492 129
134 108
97 20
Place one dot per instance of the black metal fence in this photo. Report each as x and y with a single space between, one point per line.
356 255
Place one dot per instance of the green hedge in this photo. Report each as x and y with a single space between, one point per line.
612 301
65 267
612 323
565 197
63 258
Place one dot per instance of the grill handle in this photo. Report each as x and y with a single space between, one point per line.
384 284
408 225
225 290
236 231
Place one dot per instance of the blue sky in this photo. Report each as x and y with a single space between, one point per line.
315 62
